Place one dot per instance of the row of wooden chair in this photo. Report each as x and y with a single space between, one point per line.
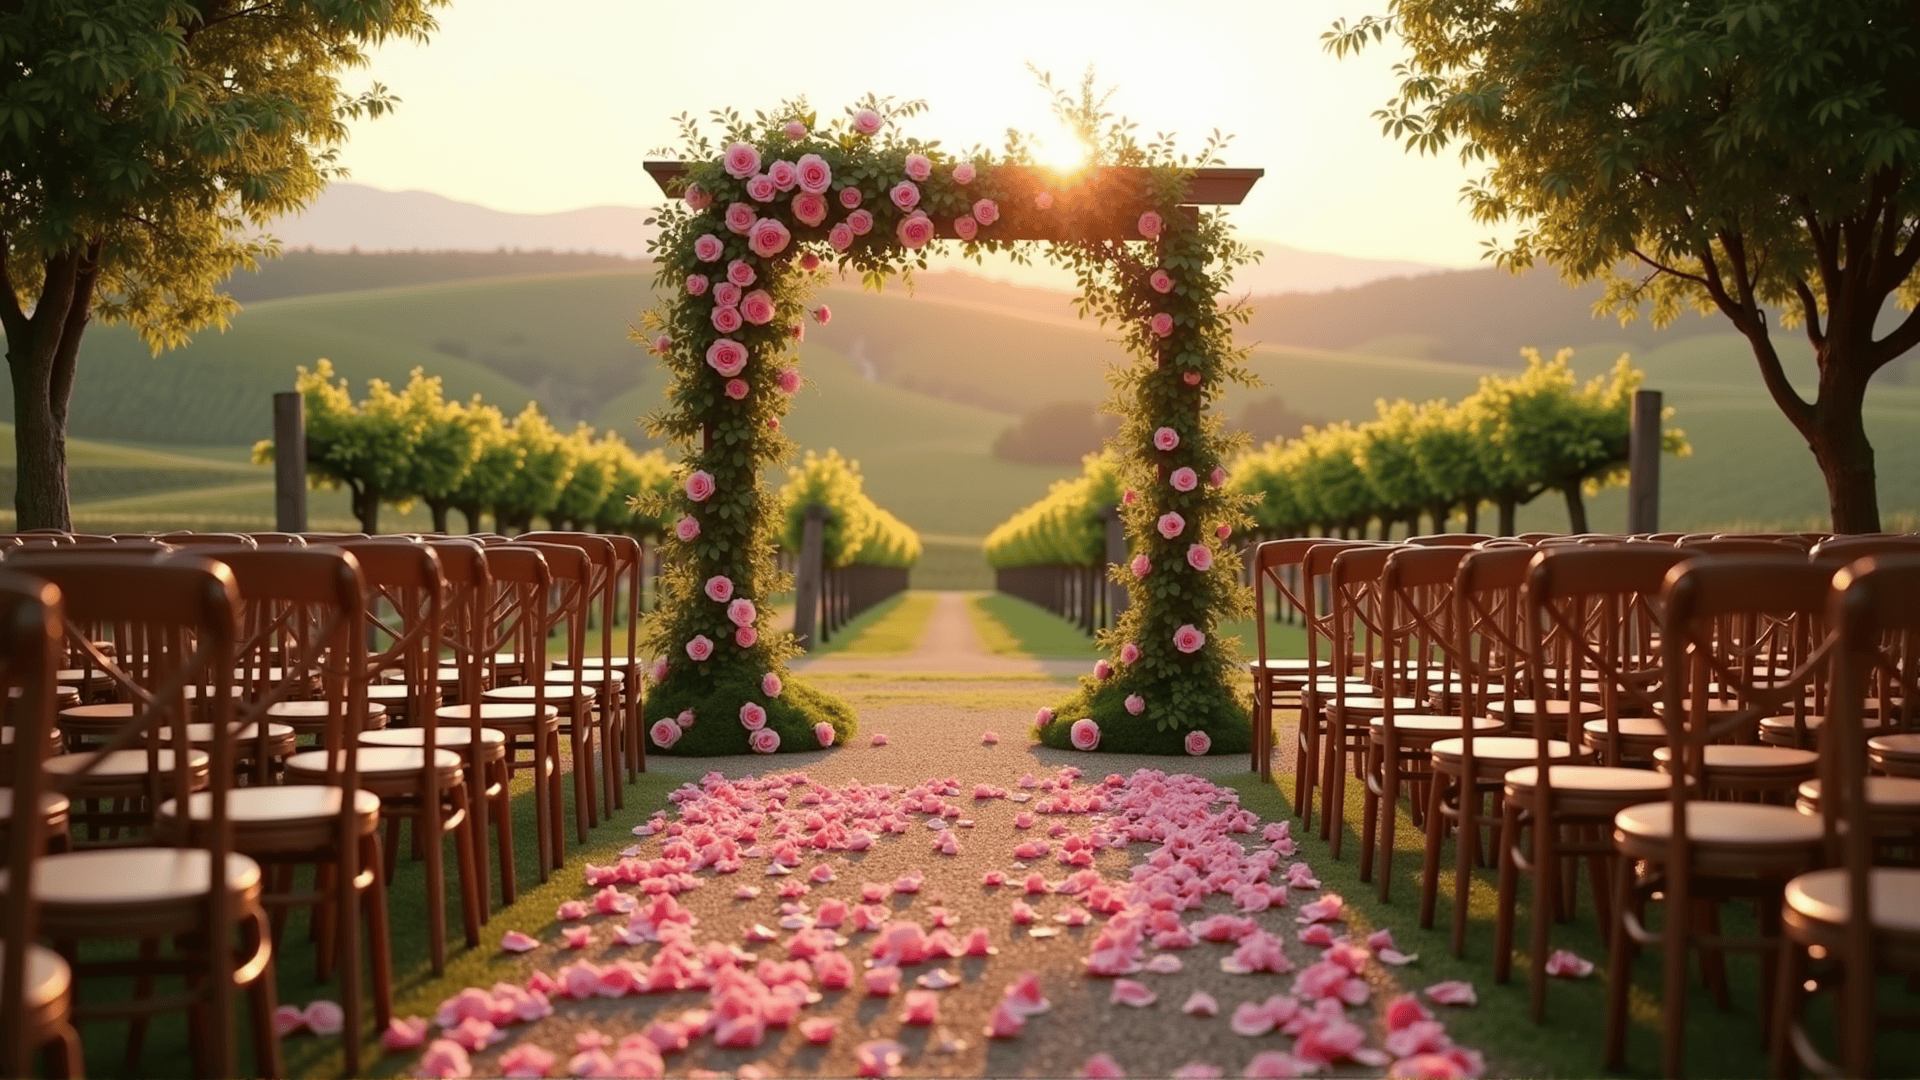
352 644
1559 681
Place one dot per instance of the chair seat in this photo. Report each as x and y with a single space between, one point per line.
123 771
1375 704
457 739
1781 728
1633 729
495 713
281 738
1895 746
554 692
1528 707
1823 897
284 818
94 721
1418 728
376 763
56 742
1592 790
388 693
1273 666
1731 757
310 717
49 981
53 805
590 674
1493 755
1900 794
1726 838
133 892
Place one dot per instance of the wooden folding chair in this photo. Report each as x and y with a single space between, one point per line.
571 572
1276 564
607 679
1354 582
516 621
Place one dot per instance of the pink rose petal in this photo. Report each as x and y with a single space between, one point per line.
515 941
1102 1064
879 1057
878 740
923 1008
571 910
1277 1065
444 1060
1452 992
1200 1003
576 937
1129 992
325 1017
404 1033
526 1060
1396 957
1568 965
288 1019
1005 1021
819 1029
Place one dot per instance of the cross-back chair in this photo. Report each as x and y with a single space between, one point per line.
571 573
1327 653
597 667
1354 583
1276 566
514 642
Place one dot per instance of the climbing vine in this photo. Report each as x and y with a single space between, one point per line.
779 200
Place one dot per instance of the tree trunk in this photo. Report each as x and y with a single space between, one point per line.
1576 509
1473 515
1386 526
1840 446
366 507
1507 505
438 508
42 351
471 511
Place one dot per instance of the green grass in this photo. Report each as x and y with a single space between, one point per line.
952 562
890 628
1719 1043
1011 627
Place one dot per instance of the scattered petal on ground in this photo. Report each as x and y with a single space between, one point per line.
1568 965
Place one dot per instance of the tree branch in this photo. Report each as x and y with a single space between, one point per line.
1665 269
11 316
1810 311
66 353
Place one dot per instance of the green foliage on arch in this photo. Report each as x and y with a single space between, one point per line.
778 200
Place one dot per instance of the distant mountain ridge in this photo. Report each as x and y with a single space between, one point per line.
349 217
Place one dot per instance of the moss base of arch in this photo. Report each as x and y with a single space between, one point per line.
1224 716
716 700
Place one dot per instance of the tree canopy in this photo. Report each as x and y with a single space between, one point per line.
1758 159
140 142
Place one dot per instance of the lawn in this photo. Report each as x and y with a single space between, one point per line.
1011 627
890 628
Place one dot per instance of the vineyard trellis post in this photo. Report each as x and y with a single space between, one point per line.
1643 463
290 461
807 576
1116 556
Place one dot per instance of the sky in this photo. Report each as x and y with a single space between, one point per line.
537 106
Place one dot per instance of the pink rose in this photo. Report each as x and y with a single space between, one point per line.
740 218
700 647
1150 224
740 272
1165 438
1171 524
727 356
1200 557
686 529
745 637
783 175
741 161
905 195
769 238
1184 479
741 612
1129 497
1191 378
815 176
823 314
762 188
1043 201
1188 640
665 733
1198 743
1102 670
1136 704
770 684
697 198
795 130
697 283
797 331
860 221
725 319
810 262
809 208
1141 565
918 167
764 741
660 669
840 237
737 389
1217 477
986 211
661 346
685 719
752 717
823 732
1161 324
788 380
700 485
727 294
707 248
1129 653
1223 531
915 230
1084 733
1161 281
757 307
1043 717
850 198
963 173
719 588
966 227
867 122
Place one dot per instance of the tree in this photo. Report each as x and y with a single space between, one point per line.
1759 160
546 460
594 470
366 446
1444 453
1385 454
446 444
140 141
497 458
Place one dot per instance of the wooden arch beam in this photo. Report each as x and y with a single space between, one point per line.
1097 204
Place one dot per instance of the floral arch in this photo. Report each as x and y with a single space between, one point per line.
761 216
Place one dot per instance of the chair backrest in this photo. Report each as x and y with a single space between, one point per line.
1354 581
1417 614
1845 549
405 606
1316 569
463 632
1491 647
1447 539
573 577
278 539
603 566
516 613
194 539
1276 563
1874 601
31 634
1747 545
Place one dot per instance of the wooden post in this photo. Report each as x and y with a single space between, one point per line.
807 582
289 462
1116 556
1643 459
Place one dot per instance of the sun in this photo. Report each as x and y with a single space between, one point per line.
1060 151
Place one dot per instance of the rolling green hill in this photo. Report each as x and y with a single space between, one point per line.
916 387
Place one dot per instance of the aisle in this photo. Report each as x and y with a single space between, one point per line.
950 644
